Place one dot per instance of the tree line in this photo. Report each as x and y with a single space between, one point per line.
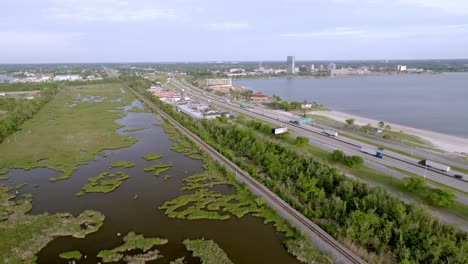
18 110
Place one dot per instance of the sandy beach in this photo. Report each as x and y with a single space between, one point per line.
444 142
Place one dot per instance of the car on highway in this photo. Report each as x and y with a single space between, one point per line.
458 176
294 122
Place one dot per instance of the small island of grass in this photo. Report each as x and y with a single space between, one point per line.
76 255
133 242
134 129
124 164
208 251
152 156
104 183
161 167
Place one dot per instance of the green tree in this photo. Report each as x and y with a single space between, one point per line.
381 124
441 198
350 121
413 184
301 140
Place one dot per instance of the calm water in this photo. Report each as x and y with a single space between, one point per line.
6 77
245 240
436 102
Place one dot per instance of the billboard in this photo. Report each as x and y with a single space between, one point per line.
279 130
306 106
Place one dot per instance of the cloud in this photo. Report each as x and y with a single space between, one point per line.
454 7
228 26
394 33
30 44
107 10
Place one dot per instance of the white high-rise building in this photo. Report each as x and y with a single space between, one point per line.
291 65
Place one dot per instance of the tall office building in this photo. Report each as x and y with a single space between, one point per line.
291 64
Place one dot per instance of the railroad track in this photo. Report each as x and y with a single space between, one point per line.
350 258
338 139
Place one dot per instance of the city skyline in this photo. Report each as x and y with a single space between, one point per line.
85 31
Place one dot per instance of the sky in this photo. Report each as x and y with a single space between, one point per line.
60 31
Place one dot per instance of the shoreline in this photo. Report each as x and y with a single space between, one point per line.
444 142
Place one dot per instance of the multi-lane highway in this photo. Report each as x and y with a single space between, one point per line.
349 146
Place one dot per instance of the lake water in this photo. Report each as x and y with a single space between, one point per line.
6 77
436 102
245 240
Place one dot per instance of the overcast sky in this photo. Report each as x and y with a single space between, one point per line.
208 30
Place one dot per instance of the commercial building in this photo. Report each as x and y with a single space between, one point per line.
218 82
331 67
401 67
349 71
291 69
259 97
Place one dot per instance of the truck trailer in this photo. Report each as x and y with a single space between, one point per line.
435 165
330 133
373 152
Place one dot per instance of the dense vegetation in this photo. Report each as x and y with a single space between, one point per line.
371 218
19 110
69 130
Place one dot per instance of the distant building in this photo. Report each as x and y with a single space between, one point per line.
349 71
291 69
303 68
218 82
401 67
67 78
331 67
167 95
259 97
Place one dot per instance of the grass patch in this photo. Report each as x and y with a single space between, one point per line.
134 129
124 164
4 171
71 255
443 186
401 136
138 110
22 235
167 166
152 156
367 174
305 252
21 185
88 126
158 171
103 183
3 178
133 241
208 251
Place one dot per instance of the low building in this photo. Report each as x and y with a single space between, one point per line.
220 89
259 97
67 78
218 82
401 67
167 96
348 71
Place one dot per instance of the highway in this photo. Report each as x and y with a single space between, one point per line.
325 242
349 146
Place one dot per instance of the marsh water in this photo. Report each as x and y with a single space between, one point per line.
245 240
